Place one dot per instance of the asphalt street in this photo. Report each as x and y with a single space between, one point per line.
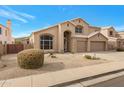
117 82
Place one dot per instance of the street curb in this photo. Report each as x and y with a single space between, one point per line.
101 79
88 81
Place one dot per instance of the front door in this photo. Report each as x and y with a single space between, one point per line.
65 44
66 41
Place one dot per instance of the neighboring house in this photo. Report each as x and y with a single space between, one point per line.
6 34
120 41
22 40
115 39
70 36
112 36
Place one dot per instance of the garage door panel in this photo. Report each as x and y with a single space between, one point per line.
81 46
97 46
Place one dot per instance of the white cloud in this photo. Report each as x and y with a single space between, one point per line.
9 13
119 28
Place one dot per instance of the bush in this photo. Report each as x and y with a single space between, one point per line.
52 55
119 49
92 58
30 58
88 57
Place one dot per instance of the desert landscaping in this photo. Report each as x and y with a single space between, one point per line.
10 69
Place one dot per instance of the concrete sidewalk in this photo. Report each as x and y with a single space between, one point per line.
63 76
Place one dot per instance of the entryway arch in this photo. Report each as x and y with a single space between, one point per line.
67 41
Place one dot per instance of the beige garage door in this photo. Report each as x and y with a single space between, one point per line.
97 46
81 46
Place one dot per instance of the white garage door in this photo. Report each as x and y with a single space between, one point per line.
81 46
97 46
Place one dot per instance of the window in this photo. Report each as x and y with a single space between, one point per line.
78 29
111 33
67 25
0 30
28 42
46 42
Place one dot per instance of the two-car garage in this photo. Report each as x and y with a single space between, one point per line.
97 42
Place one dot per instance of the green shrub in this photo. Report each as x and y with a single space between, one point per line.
88 57
92 58
95 58
52 55
119 49
30 58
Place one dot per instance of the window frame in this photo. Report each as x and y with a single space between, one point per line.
78 29
46 43
111 33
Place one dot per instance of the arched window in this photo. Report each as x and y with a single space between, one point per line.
46 42
78 29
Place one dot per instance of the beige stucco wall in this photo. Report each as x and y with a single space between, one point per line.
112 40
106 32
120 43
87 29
98 37
1 49
6 36
121 34
51 31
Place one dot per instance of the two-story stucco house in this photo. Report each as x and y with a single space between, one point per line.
75 35
6 34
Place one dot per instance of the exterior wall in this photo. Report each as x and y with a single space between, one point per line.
1 49
114 33
104 32
121 35
120 43
120 40
112 43
93 29
62 28
51 31
3 37
6 37
112 39
86 28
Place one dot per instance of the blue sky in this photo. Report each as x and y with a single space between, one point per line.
26 19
